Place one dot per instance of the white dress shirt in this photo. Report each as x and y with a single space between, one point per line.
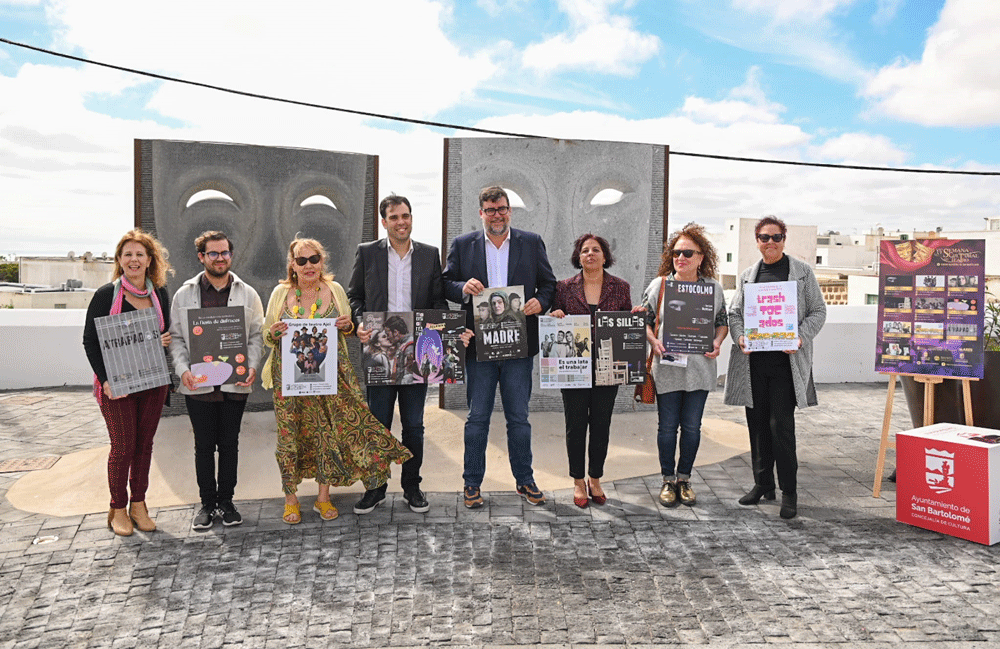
400 280
497 261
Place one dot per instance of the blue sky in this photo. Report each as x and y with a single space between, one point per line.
879 82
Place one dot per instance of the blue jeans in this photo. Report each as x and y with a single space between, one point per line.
381 400
481 380
684 410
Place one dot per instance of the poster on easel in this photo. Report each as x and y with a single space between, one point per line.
930 316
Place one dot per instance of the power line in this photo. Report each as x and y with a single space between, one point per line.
458 127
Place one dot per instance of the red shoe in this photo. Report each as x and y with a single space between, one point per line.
598 500
580 502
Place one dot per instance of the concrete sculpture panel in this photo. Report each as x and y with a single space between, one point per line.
557 181
262 197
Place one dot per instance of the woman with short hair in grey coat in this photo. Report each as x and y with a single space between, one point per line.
770 384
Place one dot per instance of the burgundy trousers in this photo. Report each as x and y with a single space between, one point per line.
132 422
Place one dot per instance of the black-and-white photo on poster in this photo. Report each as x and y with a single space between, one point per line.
501 329
619 348
132 351
389 358
218 342
688 317
439 354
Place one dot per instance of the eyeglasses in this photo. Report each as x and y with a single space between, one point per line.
302 261
213 255
764 238
491 211
687 254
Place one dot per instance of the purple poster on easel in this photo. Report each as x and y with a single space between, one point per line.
930 315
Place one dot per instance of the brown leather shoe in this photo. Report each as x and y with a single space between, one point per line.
140 516
119 522
686 493
668 493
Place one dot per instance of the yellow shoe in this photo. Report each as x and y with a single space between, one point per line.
325 510
140 516
290 511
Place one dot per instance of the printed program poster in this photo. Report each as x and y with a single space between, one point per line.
217 340
309 357
565 354
132 351
687 325
389 357
501 329
770 316
930 316
440 354
619 348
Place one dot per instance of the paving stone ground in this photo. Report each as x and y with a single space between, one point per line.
630 573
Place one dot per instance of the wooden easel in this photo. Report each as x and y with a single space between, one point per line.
929 383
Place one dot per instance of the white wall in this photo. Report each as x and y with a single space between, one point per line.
54 271
42 348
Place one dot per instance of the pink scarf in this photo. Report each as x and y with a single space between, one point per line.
116 308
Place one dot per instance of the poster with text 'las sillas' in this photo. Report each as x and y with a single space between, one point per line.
770 316
564 349
217 338
309 357
132 351
619 348
931 307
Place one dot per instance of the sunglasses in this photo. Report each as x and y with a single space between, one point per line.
302 261
777 238
687 254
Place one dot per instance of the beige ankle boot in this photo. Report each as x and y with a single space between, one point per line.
119 522
140 516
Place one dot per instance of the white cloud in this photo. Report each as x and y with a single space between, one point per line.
747 102
596 42
862 149
885 12
793 10
957 80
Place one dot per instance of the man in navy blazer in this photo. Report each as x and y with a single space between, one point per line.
397 274
499 255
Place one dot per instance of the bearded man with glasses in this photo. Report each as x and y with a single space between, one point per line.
216 412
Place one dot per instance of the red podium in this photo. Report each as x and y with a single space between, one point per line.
948 481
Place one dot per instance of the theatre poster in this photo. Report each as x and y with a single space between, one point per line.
309 357
501 326
217 340
687 323
564 352
440 353
132 351
619 348
930 314
770 316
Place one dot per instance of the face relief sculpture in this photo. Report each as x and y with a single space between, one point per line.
262 197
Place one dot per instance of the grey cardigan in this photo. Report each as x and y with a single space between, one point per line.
812 316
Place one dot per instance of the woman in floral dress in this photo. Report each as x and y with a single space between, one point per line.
332 438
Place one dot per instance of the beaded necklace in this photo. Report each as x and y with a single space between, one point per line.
299 310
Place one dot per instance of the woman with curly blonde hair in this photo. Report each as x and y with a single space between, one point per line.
140 279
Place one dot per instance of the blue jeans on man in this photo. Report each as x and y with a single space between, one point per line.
481 381
679 409
381 401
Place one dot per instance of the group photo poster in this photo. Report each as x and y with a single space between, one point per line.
619 348
770 316
309 357
217 340
564 350
132 351
687 324
501 328
440 353
931 307
389 357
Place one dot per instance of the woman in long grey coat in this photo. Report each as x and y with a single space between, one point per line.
771 384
